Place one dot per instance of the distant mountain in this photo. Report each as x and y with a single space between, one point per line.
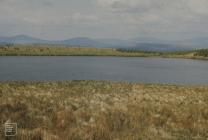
22 39
83 41
160 47
118 43
196 42
144 44
4 40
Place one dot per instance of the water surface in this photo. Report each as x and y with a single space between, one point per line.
132 69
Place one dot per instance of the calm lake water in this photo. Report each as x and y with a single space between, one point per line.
132 69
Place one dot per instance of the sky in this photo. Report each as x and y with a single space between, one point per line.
122 19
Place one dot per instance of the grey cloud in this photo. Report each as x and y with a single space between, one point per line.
104 18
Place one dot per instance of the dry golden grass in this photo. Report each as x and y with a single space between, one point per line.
60 50
101 110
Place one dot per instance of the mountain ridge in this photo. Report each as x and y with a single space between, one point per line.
143 44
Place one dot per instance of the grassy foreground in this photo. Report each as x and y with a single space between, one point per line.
53 50
101 110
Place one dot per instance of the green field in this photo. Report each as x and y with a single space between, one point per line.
102 110
52 50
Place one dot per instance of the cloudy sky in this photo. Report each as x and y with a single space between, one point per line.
61 19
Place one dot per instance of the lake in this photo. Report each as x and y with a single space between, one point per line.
132 69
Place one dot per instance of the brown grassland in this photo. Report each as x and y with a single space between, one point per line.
103 110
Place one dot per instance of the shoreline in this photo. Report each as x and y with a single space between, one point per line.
165 57
28 82
47 50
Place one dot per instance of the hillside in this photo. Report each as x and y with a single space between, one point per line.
202 53
61 50
65 50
